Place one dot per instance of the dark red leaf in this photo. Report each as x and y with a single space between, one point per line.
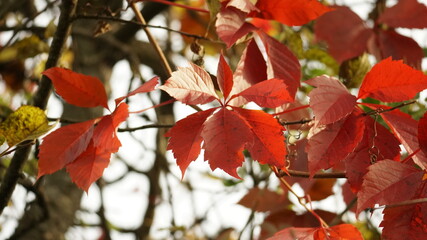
264 200
250 70
270 93
359 160
392 81
422 133
405 14
268 142
391 44
186 144
89 166
331 100
335 142
78 89
388 182
281 63
344 31
342 231
291 12
191 85
224 77
225 134
63 146
146 87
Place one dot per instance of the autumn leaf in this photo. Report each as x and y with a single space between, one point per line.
190 85
291 12
185 144
63 146
224 77
264 200
342 231
331 100
392 81
388 182
422 133
334 142
146 87
405 14
78 89
89 166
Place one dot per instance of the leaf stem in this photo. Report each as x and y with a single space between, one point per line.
301 200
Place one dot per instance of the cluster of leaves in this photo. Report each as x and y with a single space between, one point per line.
344 135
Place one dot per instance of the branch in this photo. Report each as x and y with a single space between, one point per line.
145 127
113 19
40 100
378 111
295 173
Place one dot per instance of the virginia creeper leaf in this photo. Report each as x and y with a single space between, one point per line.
268 143
270 93
376 140
190 85
388 43
405 14
342 231
344 31
104 136
63 146
407 220
331 100
422 133
89 166
225 134
291 12
146 87
231 25
263 200
335 142
224 77
392 81
406 130
281 63
388 182
78 89
186 144
250 70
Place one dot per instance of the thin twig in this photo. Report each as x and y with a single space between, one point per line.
377 111
295 173
145 127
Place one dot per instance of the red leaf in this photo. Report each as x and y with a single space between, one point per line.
422 133
357 163
264 200
190 85
335 142
268 142
388 182
89 166
186 144
231 26
281 63
330 101
270 93
342 231
78 89
391 44
224 77
406 220
392 81
250 70
291 12
406 130
405 14
104 136
146 87
344 31
63 146
225 134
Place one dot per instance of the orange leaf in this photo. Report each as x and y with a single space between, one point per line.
392 81
224 77
78 89
63 146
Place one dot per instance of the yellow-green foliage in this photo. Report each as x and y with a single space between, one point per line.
26 123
